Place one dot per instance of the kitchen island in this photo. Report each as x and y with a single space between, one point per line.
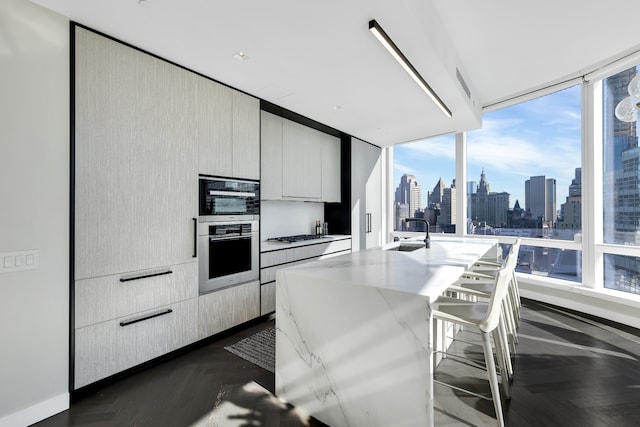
353 333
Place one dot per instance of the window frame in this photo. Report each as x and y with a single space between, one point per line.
591 244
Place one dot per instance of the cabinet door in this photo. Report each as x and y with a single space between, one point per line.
214 134
267 298
135 160
109 347
226 308
302 162
331 169
271 156
366 195
246 136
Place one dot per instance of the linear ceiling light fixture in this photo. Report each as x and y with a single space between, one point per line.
383 38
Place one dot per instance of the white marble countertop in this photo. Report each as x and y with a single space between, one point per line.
426 272
266 246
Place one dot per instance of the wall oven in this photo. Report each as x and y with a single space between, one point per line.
229 254
228 232
223 199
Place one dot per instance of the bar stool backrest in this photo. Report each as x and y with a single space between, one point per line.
499 293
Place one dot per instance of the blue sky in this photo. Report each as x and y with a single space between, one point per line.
538 137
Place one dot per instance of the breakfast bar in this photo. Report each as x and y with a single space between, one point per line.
353 333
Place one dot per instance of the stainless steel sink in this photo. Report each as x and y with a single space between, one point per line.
406 247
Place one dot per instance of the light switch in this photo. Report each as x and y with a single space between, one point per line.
19 260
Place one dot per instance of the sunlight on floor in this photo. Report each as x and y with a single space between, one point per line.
246 406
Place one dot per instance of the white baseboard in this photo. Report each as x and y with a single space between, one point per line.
37 412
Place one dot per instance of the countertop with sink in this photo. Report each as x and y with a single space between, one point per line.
353 342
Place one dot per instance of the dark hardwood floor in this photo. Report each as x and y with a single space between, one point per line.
570 370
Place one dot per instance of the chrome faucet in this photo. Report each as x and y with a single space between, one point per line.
426 240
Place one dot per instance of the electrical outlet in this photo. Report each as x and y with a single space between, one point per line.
19 260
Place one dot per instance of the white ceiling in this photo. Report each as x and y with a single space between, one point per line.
318 58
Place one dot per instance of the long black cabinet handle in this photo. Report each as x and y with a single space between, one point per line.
195 237
145 276
141 319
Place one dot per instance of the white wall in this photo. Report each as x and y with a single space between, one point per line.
34 211
279 219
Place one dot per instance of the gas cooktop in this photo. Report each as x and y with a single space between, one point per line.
296 238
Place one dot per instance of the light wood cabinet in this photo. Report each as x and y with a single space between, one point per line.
271 156
366 195
136 169
302 162
226 308
144 130
331 170
135 165
214 127
246 136
267 298
109 347
108 297
228 131
298 162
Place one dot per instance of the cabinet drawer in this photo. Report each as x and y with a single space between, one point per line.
107 348
269 274
312 251
267 259
226 308
105 298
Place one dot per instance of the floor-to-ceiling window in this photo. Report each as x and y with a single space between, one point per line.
524 171
424 181
621 179
525 178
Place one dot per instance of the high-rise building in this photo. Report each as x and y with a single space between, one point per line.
435 197
448 206
401 212
408 193
571 209
621 185
488 208
471 189
540 199
621 192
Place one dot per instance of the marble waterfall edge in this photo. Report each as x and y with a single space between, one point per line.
352 355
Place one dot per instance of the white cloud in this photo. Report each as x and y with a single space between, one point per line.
438 147
401 169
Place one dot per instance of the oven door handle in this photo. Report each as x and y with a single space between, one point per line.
231 193
229 238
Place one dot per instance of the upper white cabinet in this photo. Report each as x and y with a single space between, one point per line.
214 127
301 162
271 156
366 195
298 162
228 131
246 136
331 170
135 160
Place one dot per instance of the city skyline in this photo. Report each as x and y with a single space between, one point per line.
529 139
